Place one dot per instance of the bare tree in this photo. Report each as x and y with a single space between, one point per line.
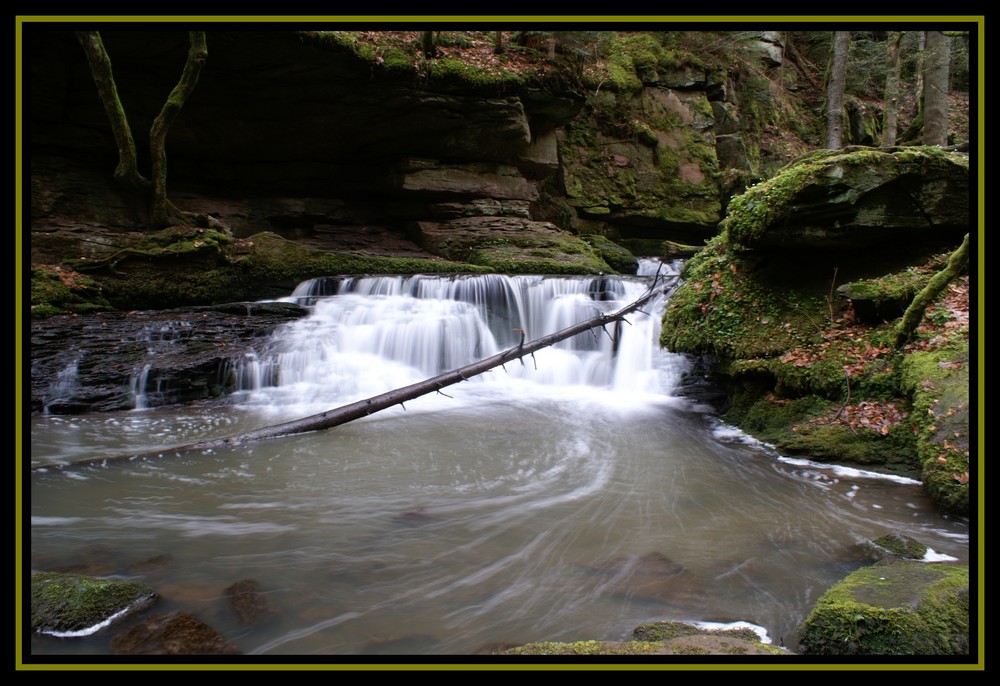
937 60
835 90
890 113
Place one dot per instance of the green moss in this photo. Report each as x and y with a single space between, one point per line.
452 70
72 602
896 287
55 291
938 379
272 268
530 255
720 309
585 648
897 608
629 59
770 202
900 545
397 59
347 41
620 259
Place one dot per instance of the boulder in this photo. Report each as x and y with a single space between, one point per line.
175 633
78 605
894 607
856 198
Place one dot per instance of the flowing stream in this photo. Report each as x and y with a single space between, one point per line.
570 496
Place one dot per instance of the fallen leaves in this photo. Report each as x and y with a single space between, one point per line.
872 415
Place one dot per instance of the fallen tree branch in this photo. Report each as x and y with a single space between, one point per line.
363 408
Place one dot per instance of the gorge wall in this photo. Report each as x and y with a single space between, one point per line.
297 134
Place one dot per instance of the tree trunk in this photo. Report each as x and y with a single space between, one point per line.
127 171
915 312
835 90
427 44
890 113
363 408
913 131
163 213
936 86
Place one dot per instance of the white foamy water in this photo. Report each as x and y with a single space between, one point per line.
572 497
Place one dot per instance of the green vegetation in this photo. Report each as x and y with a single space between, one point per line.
55 290
74 602
939 380
893 608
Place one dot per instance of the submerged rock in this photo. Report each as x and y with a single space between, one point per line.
172 634
251 604
900 546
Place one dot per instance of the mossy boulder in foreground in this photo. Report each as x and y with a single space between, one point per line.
895 607
64 604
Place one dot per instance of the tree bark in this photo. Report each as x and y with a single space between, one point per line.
162 212
915 312
127 171
835 91
936 86
890 113
363 408
913 131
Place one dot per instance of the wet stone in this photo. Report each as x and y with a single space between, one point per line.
172 634
250 603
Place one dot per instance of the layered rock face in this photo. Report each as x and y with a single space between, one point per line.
283 133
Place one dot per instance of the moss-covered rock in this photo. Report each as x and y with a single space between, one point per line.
892 608
722 309
939 381
900 545
620 259
854 197
806 368
68 604
55 290
660 638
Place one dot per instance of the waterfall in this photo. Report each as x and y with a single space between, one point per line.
159 338
371 334
64 385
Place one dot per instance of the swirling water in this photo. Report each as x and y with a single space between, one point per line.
570 497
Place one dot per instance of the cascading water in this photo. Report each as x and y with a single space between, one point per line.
158 338
368 335
572 497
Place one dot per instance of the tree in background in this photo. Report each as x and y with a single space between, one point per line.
835 90
890 112
937 60
127 171
162 212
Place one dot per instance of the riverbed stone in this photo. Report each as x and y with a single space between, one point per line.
250 603
894 607
71 603
172 633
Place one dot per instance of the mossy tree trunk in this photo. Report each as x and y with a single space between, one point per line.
127 171
915 312
162 212
890 113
